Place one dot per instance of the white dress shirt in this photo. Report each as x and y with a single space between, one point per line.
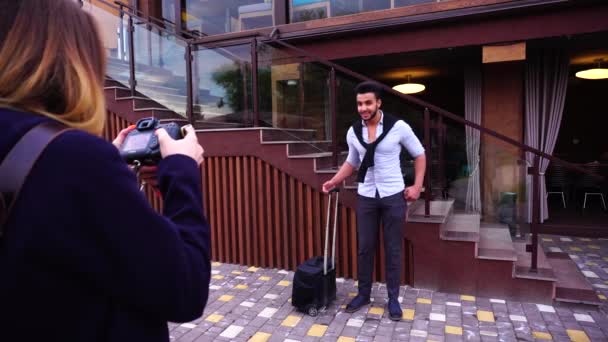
385 176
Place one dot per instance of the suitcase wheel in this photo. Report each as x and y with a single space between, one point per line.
312 310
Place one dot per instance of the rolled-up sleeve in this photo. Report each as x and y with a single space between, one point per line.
353 158
409 140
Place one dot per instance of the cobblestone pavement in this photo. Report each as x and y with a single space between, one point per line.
252 304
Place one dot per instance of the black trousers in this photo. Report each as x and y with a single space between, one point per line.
391 210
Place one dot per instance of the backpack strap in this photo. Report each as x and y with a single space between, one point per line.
19 161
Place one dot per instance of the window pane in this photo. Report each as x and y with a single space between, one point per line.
219 16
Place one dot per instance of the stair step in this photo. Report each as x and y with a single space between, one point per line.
282 134
522 265
571 285
461 227
310 155
303 147
495 243
440 212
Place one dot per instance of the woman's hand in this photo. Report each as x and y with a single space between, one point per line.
121 136
187 146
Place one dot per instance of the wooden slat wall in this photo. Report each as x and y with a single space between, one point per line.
115 124
261 216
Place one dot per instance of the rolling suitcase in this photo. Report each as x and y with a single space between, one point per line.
314 283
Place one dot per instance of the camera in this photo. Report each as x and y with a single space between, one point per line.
141 144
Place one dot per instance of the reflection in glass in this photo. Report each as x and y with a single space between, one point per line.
222 86
220 16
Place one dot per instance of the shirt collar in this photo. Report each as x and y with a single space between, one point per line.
381 122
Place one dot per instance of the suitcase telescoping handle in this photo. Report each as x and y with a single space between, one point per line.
333 248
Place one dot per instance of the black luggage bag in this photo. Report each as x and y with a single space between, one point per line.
314 283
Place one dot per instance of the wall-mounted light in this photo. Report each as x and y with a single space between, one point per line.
409 87
598 73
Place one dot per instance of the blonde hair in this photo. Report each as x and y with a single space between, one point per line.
52 62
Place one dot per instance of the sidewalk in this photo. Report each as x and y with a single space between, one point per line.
251 304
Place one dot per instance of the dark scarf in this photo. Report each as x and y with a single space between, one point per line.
368 160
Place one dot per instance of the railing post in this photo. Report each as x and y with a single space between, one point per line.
254 82
535 213
189 101
334 118
132 80
429 162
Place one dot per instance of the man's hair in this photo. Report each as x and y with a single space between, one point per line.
369 87
52 62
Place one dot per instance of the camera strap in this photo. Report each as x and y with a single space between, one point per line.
19 161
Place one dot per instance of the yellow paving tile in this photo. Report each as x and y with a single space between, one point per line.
547 239
291 321
317 330
352 294
346 339
594 246
214 318
217 277
578 336
241 287
260 337
453 330
284 283
590 263
237 272
485 316
576 249
408 314
601 297
253 269
467 298
264 278
423 301
376 311
226 298
542 335
216 264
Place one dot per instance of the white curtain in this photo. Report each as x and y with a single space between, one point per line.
472 94
546 84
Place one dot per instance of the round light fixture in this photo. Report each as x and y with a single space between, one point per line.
409 87
595 73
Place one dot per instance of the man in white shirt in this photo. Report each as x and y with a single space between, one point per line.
374 146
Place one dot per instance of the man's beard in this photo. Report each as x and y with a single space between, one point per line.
371 116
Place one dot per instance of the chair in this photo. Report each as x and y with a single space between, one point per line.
592 185
557 181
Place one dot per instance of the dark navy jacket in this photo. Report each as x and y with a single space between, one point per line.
85 257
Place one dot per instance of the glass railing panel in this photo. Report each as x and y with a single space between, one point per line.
293 93
219 16
113 31
222 86
485 177
160 68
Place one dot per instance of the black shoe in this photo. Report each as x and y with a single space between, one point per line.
357 303
394 309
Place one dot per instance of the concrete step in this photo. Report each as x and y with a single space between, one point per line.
440 212
461 227
282 134
522 265
571 286
495 243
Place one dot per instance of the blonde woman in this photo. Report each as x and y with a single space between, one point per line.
83 256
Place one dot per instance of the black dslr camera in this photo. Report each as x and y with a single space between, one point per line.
141 144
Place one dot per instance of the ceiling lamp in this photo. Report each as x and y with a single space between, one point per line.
595 73
409 88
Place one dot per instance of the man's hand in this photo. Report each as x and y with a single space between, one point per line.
328 186
411 193
121 136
